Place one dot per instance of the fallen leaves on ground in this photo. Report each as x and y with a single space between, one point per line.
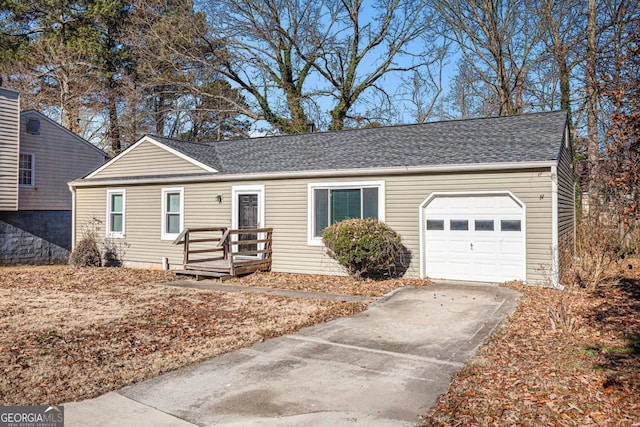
71 334
569 358
327 284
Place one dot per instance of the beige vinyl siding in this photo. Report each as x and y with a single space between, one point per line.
143 215
9 147
566 205
404 194
59 157
286 212
148 159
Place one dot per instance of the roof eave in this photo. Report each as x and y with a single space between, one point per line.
475 167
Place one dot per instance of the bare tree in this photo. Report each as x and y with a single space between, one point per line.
621 158
268 48
377 42
290 57
591 85
563 26
500 40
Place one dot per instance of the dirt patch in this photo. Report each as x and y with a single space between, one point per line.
567 358
71 334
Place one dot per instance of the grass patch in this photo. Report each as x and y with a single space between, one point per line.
70 334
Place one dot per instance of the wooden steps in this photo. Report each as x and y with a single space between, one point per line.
201 274
221 253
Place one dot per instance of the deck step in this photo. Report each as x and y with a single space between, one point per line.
201 274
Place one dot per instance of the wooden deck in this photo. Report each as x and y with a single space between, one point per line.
223 253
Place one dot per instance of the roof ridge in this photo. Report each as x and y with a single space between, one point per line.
373 129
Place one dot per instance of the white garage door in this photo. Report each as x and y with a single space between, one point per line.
479 238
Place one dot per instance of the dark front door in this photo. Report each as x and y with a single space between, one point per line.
248 219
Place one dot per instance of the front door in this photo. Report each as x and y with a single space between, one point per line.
248 213
248 219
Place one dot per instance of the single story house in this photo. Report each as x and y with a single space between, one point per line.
38 157
482 199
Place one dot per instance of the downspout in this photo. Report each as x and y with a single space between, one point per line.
555 255
73 217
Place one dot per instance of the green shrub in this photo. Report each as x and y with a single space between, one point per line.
86 253
365 247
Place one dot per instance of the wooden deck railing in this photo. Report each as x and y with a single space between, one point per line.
220 249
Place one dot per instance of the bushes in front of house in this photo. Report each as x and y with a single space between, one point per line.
364 247
86 253
90 251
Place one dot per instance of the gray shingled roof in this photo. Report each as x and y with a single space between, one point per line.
513 139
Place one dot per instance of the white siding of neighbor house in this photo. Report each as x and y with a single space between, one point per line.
59 157
286 212
9 147
147 159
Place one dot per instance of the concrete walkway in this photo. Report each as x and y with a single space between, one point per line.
381 367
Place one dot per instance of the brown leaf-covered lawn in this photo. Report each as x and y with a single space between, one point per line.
581 369
567 358
70 334
326 284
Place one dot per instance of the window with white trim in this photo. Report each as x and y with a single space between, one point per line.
333 202
26 169
172 212
116 213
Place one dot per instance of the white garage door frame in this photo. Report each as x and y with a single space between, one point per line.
432 196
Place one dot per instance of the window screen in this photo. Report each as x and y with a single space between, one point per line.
116 213
173 213
321 210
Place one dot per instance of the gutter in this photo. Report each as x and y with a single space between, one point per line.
402 170
73 216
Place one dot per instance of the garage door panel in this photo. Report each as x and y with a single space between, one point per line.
486 246
510 247
472 245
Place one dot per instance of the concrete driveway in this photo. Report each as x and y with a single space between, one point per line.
382 367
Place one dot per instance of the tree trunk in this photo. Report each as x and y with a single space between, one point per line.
159 101
591 88
114 121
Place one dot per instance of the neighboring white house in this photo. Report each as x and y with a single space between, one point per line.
484 199
38 157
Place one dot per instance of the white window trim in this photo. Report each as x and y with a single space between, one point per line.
163 221
33 170
317 241
108 231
